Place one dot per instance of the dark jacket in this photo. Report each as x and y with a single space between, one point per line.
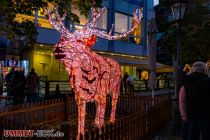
18 84
32 82
197 88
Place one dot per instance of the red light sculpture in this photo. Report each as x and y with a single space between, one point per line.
92 77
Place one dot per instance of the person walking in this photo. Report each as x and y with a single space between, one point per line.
32 86
130 84
124 81
194 103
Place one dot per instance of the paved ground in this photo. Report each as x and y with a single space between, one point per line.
167 134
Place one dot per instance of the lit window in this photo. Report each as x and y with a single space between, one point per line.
42 13
137 31
144 75
42 22
21 17
42 19
102 21
83 20
121 23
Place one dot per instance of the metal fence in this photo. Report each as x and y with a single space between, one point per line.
51 88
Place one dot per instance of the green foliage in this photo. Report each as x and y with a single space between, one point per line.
12 29
195 33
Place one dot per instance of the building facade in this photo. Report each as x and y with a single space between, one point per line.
131 52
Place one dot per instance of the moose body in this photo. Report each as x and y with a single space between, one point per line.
94 83
92 77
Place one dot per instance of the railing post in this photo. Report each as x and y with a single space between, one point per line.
146 84
67 115
158 84
167 82
57 89
47 89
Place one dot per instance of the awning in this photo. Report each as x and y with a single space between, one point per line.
138 61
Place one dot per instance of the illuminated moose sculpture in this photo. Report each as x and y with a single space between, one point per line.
92 77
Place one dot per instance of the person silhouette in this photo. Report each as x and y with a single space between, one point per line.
124 81
194 103
8 79
32 86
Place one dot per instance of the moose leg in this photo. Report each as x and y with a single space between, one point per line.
81 118
99 120
114 103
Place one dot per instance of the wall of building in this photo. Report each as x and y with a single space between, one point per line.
46 65
122 9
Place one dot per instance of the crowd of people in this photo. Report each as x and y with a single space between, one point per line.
18 86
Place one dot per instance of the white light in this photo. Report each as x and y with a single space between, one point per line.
156 2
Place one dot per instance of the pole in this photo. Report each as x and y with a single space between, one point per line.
178 54
110 21
152 29
144 27
178 59
177 118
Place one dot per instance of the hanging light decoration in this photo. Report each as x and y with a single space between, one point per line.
92 77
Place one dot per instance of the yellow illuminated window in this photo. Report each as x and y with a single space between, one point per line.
20 18
136 32
144 75
44 23
42 19
83 20
42 12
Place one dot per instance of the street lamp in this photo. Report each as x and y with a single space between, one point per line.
178 8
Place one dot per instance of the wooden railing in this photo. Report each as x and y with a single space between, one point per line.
31 115
138 117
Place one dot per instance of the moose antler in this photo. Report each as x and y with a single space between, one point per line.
57 22
115 37
88 30
96 16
